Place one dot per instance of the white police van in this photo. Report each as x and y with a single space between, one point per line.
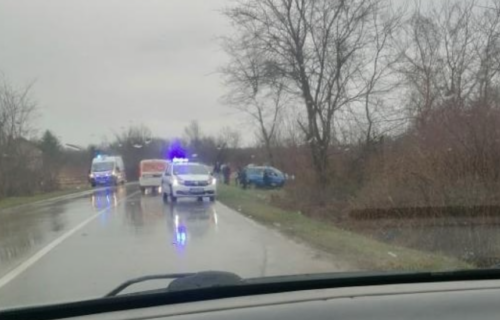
184 179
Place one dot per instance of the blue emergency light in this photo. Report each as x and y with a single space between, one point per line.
176 150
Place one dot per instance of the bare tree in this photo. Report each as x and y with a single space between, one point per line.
456 23
16 125
16 113
229 138
314 48
193 132
135 144
487 49
254 91
379 76
422 62
450 55
193 136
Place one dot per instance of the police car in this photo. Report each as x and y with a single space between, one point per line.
184 179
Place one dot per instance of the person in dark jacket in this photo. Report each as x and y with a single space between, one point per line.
217 170
267 178
243 178
237 177
226 172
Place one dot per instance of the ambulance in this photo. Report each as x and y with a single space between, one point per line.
107 170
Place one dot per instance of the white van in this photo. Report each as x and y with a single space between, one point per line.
151 173
107 170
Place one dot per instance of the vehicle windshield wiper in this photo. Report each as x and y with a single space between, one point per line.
128 283
214 279
185 281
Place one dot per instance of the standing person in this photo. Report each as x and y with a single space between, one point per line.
227 174
222 170
237 177
267 178
224 173
217 170
243 178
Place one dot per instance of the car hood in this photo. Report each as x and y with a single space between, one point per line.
193 177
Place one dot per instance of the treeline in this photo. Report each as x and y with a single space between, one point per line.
379 105
27 165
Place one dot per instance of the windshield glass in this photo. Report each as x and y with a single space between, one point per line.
190 169
103 166
255 171
261 138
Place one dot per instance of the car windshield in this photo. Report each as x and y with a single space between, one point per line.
103 166
190 169
276 172
261 138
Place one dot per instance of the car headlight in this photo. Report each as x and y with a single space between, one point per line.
177 181
91 175
212 181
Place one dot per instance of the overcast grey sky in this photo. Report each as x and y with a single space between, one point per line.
100 65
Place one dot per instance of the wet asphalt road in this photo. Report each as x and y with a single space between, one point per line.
83 247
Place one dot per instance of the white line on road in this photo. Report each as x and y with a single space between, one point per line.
40 254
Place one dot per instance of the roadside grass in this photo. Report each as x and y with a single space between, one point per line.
17 201
358 251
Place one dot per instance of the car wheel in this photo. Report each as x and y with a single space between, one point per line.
143 190
165 197
200 199
93 185
212 199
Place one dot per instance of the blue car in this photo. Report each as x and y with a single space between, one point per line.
255 177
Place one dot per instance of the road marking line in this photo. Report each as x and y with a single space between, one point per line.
40 254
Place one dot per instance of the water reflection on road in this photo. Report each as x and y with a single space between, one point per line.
23 232
184 223
105 198
190 221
